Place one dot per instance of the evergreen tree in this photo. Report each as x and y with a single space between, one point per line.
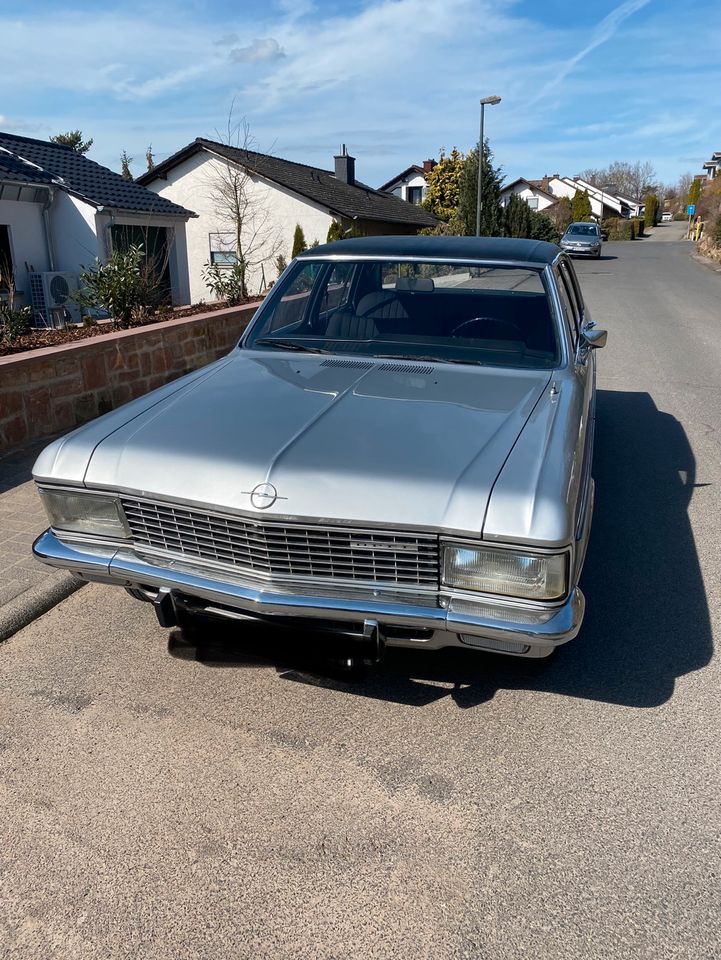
125 162
442 185
517 218
651 210
74 139
299 244
694 191
581 206
335 232
492 213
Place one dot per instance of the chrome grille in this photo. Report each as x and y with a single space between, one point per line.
281 550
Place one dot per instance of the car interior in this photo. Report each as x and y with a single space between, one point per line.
418 310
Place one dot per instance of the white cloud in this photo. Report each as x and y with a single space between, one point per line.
267 49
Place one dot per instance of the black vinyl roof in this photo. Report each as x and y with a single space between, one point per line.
536 252
356 200
56 164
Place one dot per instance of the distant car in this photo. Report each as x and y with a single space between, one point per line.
665 217
582 240
399 450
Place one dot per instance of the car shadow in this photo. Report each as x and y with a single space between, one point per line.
647 620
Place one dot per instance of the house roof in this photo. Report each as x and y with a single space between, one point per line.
353 201
488 249
43 162
16 170
414 168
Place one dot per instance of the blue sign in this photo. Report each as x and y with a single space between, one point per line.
691 209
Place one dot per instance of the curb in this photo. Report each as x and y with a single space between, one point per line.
707 262
36 601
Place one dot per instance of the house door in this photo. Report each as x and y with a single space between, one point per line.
154 241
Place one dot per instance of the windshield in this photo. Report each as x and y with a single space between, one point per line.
451 313
584 229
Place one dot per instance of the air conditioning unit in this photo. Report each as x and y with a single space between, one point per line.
51 301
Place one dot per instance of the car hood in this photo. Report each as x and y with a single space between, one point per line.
340 439
580 238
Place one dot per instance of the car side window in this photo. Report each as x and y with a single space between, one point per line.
569 275
569 310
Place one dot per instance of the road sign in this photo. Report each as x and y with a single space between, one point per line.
691 209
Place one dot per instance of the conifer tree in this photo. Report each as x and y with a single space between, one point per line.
299 244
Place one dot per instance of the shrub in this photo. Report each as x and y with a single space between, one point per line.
716 233
619 229
280 263
638 224
299 244
14 323
119 285
651 202
561 213
543 228
227 284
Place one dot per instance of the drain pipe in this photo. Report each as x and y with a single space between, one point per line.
107 235
48 229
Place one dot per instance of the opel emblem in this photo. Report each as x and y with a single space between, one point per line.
264 496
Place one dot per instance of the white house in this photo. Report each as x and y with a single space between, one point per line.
59 211
276 195
603 202
713 166
410 184
535 196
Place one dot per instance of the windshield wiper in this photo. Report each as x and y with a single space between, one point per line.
409 356
288 345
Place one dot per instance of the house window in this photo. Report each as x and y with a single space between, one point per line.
414 195
223 252
532 203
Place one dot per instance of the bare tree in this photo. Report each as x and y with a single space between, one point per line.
684 185
238 202
632 180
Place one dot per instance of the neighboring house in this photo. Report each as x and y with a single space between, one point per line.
277 195
603 203
713 166
410 184
529 190
59 211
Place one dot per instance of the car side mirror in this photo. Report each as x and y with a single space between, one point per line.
595 338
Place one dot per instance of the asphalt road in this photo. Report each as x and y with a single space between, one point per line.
246 804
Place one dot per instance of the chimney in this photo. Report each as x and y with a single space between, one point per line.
345 167
428 165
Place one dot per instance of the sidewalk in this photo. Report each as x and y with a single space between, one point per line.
27 588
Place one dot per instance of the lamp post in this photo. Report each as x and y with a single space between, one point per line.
479 198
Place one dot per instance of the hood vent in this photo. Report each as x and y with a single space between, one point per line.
403 368
358 364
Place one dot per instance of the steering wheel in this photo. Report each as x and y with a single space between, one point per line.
498 329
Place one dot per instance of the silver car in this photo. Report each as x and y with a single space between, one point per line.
399 449
582 240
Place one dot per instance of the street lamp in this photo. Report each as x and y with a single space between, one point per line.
479 198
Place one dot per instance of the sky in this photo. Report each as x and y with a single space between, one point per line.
582 84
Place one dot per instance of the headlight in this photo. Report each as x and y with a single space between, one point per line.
84 513
507 573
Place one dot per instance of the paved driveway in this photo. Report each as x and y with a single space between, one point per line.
243 803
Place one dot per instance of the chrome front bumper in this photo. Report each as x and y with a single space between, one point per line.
461 620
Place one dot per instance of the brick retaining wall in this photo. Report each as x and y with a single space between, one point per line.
46 391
